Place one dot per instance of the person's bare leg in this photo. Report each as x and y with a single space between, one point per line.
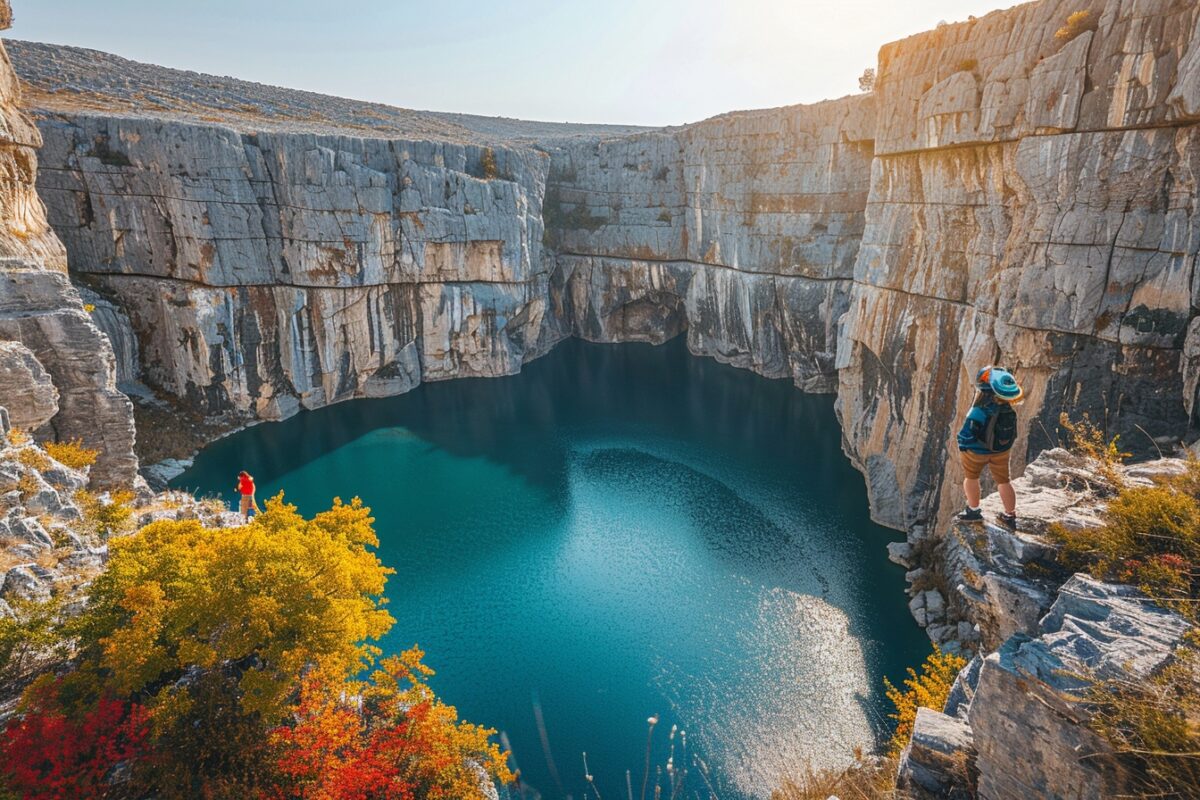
971 490
1008 496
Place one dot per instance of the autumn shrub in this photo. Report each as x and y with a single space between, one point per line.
1149 537
1077 23
929 689
1087 439
107 517
237 649
27 638
71 454
33 458
282 594
392 739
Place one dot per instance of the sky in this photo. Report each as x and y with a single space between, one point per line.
653 62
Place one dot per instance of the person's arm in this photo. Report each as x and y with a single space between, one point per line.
972 426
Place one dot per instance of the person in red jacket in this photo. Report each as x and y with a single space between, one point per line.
245 488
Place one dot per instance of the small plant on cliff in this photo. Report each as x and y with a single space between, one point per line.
866 81
72 454
487 163
106 517
929 689
1078 23
1085 438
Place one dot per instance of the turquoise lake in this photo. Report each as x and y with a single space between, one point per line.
618 531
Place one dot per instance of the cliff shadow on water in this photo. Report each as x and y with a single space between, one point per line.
618 530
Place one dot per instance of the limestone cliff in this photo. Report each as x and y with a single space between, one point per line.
741 230
1034 202
1016 189
41 310
265 272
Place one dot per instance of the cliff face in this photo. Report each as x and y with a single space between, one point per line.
272 271
40 310
1033 203
741 230
1006 194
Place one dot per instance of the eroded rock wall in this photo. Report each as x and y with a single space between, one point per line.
267 272
1033 203
741 230
40 309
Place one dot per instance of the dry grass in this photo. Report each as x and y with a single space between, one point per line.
863 780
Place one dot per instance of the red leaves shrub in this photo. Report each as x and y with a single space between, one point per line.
48 754
328 754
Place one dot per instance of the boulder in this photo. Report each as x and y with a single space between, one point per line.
26 388
938 761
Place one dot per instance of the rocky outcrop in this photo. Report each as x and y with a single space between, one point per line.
741 231
27 388
1023 729
975 585
42 312
1033 202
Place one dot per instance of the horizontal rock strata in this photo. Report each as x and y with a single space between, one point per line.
1016 189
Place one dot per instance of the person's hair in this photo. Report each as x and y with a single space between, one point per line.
243 474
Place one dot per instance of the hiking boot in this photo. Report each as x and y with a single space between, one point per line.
1008 520
969 514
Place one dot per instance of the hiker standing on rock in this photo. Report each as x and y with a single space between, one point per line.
985 440
245 488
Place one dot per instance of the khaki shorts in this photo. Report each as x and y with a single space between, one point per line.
973 464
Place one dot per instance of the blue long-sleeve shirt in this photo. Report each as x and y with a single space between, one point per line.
974 425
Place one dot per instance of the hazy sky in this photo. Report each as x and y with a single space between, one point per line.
651 62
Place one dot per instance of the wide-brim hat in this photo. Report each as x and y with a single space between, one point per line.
1004 385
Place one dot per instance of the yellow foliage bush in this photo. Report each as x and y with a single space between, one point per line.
1150 538
33 458
1078 23
109 518
72 454
930 689
283 593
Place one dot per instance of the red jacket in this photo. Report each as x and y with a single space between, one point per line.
246 484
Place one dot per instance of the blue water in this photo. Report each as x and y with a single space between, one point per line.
616 532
